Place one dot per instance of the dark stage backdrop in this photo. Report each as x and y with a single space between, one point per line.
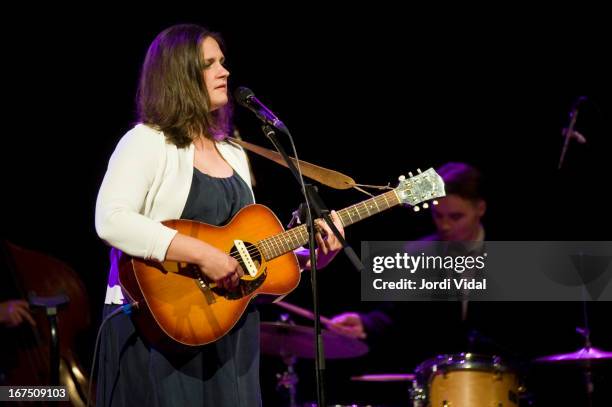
371 96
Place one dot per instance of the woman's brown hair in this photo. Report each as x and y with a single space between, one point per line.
172 95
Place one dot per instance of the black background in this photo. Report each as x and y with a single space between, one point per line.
371 93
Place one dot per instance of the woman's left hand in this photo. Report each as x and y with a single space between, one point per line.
328 243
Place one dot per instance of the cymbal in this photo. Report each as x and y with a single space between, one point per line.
583 354
282 339
386 377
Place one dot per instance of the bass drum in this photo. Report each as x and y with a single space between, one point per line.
465 379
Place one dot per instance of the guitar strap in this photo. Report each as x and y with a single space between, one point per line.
331 178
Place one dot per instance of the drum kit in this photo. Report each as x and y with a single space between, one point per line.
450 380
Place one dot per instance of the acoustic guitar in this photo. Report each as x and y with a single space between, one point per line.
175 301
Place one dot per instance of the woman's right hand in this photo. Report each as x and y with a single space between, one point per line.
217 266
220 268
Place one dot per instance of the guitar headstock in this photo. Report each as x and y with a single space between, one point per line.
422 187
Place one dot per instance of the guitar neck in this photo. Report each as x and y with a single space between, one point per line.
285 242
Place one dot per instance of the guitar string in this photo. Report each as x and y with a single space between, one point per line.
360 209
275 243
279 243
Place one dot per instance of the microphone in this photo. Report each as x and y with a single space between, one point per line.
569 132
577 104
246 98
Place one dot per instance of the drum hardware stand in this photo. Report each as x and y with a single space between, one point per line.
289 378
588 374
586 333
417 395
51 306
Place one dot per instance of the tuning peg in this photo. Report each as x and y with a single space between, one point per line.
435 202
416 208
401 178
410 175
425 205
419 170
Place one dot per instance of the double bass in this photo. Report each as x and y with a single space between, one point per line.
27 353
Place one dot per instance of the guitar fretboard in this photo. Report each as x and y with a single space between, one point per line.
285 242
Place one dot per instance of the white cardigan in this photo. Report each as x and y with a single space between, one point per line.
147 182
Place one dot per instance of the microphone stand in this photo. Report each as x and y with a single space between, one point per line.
315 205
585 332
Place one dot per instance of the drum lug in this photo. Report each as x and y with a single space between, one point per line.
418 396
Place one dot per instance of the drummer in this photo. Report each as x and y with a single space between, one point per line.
457 217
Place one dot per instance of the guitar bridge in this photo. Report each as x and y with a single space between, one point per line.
246 258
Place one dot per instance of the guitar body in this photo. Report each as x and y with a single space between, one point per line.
175 301
177 306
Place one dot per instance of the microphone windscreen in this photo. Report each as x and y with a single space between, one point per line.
241 94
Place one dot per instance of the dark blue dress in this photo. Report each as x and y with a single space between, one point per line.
222 374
